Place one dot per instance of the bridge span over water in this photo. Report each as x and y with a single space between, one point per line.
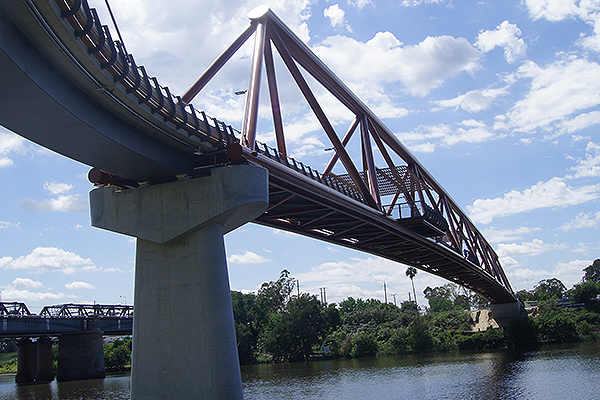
68 86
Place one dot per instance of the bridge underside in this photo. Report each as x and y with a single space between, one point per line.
299 205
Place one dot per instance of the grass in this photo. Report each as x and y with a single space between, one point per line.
8 363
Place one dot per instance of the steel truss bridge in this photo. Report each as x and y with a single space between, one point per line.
17 321
68 86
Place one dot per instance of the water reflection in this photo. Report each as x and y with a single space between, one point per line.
552 372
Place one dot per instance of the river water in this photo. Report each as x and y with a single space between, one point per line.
553 372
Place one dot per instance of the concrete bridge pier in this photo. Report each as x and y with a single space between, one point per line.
26 362
44 371
80 356
34 361
184 344
504 313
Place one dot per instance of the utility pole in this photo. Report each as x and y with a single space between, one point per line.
298 287
385 292
323 296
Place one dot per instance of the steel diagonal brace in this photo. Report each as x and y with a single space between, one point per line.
320 114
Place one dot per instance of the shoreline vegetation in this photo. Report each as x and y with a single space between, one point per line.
275 325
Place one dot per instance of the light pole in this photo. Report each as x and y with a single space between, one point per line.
125 297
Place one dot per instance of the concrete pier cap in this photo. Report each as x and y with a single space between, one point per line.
232 197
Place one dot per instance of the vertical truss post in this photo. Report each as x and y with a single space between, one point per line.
252 99
274 95
368 156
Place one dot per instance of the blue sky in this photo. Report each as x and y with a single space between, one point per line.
498 100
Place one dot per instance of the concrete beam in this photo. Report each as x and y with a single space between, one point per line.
184 344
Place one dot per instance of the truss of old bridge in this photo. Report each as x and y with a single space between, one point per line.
17 321
67 85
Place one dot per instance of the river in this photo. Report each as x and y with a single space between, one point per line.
570 371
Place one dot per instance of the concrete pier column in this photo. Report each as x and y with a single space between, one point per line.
44 372
183 336
504 313
80 356
26 362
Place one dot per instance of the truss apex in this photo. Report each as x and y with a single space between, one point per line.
259 12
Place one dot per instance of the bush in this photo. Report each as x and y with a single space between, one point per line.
363 345
520 333
556 326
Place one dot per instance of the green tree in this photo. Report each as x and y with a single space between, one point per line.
292 333
411 272
117 354
547 289
592 273
584 292
556 326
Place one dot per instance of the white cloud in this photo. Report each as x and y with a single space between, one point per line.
359 3
247 258
582 220
506 35
558 10
47 259
6 162
568 272
533 248
590 165
9 143
63 203
26 295
76 285
553 193
580 122
6 225
497 236
57 188
420 68
472 101
557 92
364 278
337 17
26 283
467 131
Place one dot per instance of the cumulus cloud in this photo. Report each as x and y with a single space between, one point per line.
25 289
506 35
472 101
533 248
247 258
48 259
555 10
552 193
337 17
420 68
57 188
26 283
557 94
76 285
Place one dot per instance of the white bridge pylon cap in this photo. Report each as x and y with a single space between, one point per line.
259 12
